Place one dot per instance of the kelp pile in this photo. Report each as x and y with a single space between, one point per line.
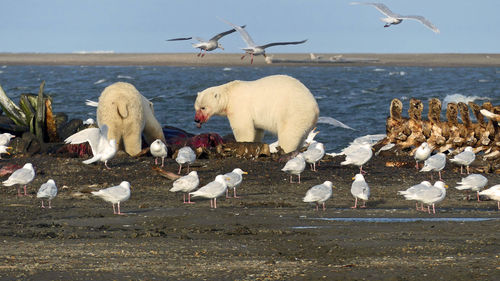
409 132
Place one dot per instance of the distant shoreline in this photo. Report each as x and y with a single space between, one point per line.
228 60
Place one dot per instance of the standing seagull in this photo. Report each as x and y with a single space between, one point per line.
360 189
102 148
185 155
5 138
47 190
233 180
115 195
295 166
314 153
186 184
158 149
21 176
422 153
435 163
209 45
212 190
319 194
474 182
465 158
392 18
358 155
252 49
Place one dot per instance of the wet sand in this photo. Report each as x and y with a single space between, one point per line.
267 234
223 59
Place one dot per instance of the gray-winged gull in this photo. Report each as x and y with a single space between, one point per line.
115 195
435 163
21 176
411 192
474 182
186 184
102 148
393 18
295 166
319 194
159 150
360 189
185 155
465 158
493 193
47 191
358 155
233 180
314 154
422 153
212 190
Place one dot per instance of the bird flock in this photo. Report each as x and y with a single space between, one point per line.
252 49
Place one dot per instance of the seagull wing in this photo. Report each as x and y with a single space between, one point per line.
90 135
381 8
423 20
282 43
244 34
180 39
200 39
222 34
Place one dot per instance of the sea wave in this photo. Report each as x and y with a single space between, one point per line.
456 98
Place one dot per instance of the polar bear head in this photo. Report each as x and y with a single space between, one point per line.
211 101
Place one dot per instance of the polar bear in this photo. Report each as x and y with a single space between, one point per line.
279 104
129 115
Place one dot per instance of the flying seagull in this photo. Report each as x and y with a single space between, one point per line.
205 45
252 49
393 18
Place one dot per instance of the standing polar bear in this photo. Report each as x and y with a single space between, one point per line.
279 104
129 115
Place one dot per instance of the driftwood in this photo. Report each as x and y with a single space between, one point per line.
483 135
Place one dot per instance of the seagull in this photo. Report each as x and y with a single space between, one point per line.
158 149
414 190
313 154
233 180
358 155
493 193
5 138
319 194
422 153
186 184
212 190
465 158
185 155
433 195
21 176
3 149
435 163
115 195
273 147
360 189
102 148
474 182
295 166
392 18
209 45
252 49
47 190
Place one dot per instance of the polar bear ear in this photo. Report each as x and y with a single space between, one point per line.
216 95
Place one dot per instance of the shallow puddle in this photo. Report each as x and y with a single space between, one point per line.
389 220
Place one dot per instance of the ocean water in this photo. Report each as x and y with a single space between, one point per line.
358 97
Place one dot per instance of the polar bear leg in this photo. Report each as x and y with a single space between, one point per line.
132 140
259 135
290 137
243 129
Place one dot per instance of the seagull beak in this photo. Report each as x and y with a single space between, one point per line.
353 178
445 186
245 173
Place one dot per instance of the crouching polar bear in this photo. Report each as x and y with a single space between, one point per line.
129 115
279 104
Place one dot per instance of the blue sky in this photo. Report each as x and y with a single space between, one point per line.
331 26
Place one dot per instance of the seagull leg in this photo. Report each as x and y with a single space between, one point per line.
355 203
211 204
324 207
461 170
291 179
204 53
498 205
227 193
199 53
416 165
188 169
251 60
114 211
25 194
478 197
429 209
215 203
156 160
364 204
180 167
467 170
440 178
299 178
242 57
433 209
162 161
189 199
317 206
234 193
184 198
43 207
50 204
